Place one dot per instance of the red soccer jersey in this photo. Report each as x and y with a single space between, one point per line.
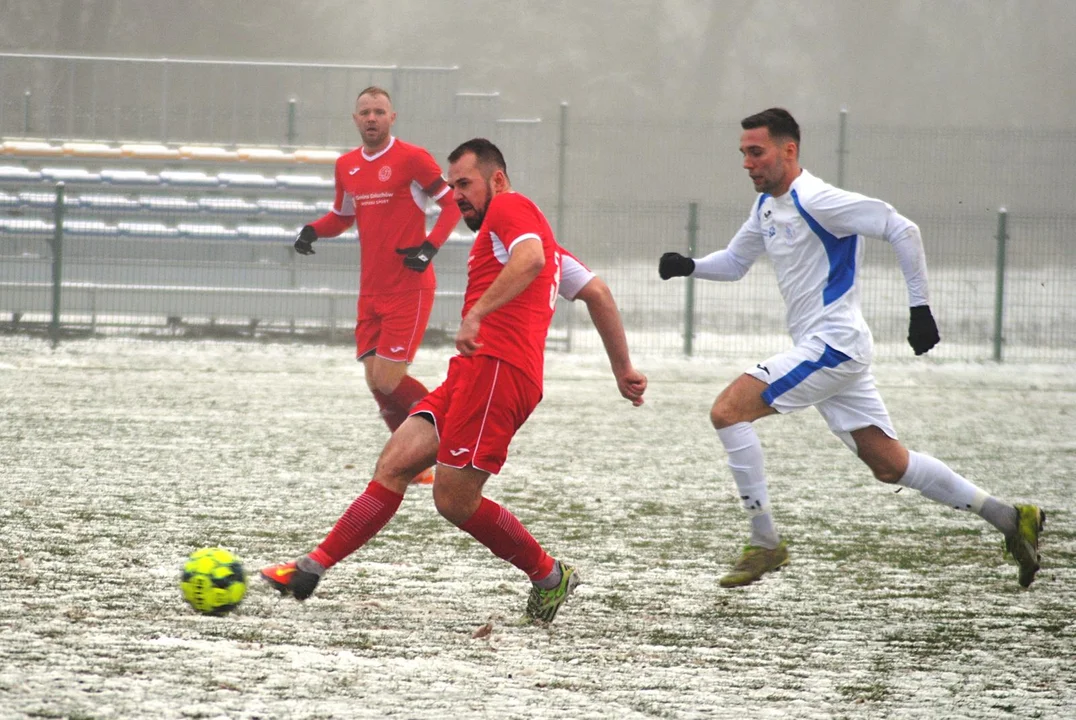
516 331
387 193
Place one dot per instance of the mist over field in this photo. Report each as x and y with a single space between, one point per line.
1003 63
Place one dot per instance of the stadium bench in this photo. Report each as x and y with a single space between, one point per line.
129 177
69 175
189 178
90 150
17 173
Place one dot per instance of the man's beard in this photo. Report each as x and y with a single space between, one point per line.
479 215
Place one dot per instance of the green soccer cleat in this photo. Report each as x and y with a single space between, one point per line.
542 605
754 563
1024 544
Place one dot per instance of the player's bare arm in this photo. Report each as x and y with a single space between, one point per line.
606 318
525 262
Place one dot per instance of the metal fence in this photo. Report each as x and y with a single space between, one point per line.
142 252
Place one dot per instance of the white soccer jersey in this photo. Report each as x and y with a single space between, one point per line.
813 236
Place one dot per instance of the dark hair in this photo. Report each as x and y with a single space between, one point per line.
375 90
778 121
485 152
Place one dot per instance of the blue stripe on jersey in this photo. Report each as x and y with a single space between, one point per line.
830 358
841 253
758 208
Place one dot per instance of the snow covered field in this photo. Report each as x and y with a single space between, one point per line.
118 458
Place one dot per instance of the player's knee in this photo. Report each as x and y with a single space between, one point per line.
386 386
392 470
886 472
887 477
721 417
383 382
886 457
452 506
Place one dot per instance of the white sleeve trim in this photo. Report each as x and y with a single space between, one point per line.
521 238
574 276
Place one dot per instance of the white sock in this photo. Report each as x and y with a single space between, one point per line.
936 481
745 460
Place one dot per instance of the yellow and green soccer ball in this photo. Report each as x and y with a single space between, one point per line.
213 581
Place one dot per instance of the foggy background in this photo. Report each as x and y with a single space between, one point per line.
614 116
977 63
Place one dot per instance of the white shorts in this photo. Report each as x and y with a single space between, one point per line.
840 388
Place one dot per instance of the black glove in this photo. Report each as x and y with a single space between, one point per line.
304 243
922 330
674 264
418 258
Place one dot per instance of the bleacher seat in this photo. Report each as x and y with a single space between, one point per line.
205 230
148 151
26 226
267 232
108 202
130 177
90 150
305 182
311 155
264 155
246 180
34 148
8 200
148 229
165 203
323 206
17 173
286 207
207 152
95 228
188 178
38 199
232 205
70 175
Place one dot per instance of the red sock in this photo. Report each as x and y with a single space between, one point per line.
396 405
500 531
360 522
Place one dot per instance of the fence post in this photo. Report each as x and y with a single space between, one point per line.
562 152
291 122
842 145
689 290
57 262
999 282
164 101
562 173
26 113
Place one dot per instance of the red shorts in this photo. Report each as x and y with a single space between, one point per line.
478 409
392 325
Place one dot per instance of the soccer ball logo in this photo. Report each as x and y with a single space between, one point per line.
213 581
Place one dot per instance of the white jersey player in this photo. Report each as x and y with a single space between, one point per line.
814 233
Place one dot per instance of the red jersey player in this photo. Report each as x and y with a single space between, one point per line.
514 273
384 186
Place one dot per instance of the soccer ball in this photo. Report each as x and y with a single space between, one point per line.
213 581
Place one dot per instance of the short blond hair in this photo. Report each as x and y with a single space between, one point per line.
374 90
